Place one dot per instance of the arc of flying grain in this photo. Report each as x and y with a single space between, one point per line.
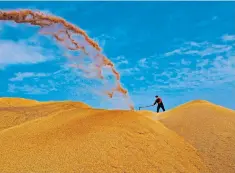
42 20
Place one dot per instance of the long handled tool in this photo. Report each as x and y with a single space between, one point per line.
145 106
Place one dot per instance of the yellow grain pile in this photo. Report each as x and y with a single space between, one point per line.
86 140
209 128
14 111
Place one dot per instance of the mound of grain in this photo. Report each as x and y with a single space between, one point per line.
209 128
15 111
89 140
16 102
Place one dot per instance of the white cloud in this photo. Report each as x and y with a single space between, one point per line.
215 49
120 60
176 51
185 62
123 66
27 89
197 44
227 37
129 71
12 52
21 76
203 48
32 89
200 49
123 62
141 78
204 72
219 70
202 63
143 63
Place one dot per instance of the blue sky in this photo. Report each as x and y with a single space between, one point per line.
180 51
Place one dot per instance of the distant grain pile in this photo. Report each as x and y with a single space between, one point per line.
15 111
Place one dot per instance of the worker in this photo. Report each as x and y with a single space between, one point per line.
160 103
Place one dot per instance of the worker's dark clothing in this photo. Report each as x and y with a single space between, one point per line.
160 104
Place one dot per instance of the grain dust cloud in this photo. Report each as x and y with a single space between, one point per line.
67 34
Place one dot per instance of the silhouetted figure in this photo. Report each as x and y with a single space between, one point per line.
160 104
